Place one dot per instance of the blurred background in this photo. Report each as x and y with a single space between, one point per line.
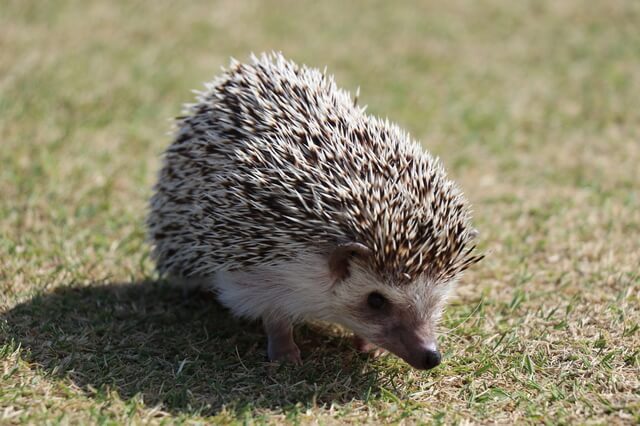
533 107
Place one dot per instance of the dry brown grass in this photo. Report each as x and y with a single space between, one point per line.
533 106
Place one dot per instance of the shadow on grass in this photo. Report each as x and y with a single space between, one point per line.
190 355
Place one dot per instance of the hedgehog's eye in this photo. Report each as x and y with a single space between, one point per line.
376 301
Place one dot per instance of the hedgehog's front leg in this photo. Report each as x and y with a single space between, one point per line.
281 346
364 346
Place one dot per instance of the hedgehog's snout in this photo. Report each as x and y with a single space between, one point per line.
431 358
415 344
423 357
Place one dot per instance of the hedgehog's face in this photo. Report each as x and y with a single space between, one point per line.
399 318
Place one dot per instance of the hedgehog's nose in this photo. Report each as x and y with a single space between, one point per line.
431 358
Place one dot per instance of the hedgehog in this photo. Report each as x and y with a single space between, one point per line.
284 197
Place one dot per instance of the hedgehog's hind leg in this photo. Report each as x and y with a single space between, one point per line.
281 346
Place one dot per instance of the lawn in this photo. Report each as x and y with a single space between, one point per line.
533 106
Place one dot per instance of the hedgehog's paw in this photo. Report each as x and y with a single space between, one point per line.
289 354
281 347
366 347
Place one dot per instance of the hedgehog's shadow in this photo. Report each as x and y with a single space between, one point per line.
190 355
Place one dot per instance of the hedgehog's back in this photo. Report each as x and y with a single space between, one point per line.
232 179
274 160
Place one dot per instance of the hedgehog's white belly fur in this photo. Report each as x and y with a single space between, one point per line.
295 289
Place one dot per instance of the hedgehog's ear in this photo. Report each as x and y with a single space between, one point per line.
473 234
339 259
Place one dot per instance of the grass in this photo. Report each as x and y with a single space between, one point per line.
533 106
